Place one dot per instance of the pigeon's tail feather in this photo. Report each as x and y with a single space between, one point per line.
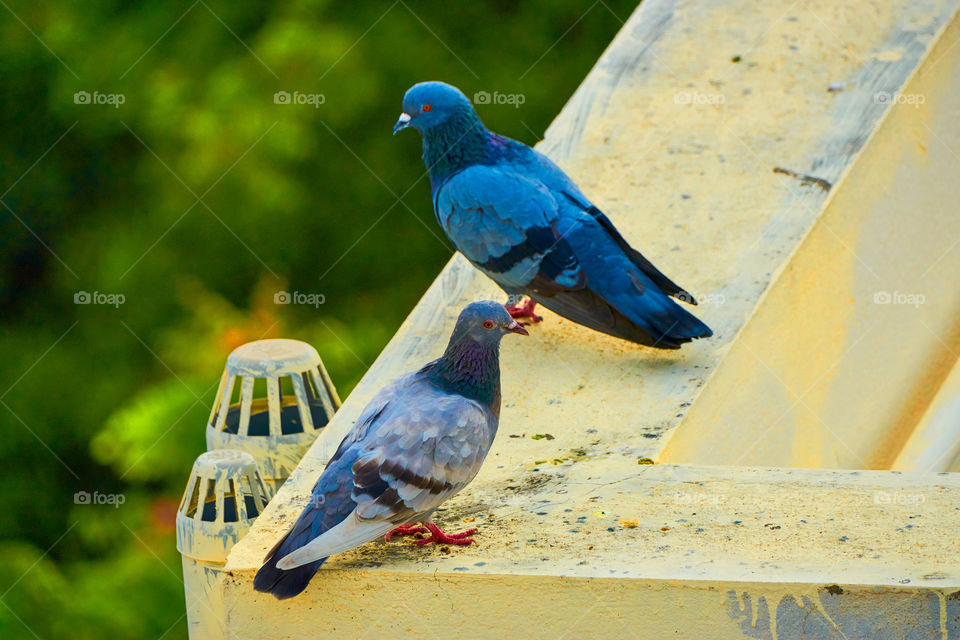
651 319
330 503
281 583
669 324
665 284
682 326
617 296
585 307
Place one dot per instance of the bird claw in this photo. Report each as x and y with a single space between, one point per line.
404 530
439 536
524 310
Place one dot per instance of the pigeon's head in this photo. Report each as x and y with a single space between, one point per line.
486 322
429 104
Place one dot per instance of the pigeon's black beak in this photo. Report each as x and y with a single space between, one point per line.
516 327
402 123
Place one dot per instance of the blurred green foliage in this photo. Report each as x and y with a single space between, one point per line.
197 199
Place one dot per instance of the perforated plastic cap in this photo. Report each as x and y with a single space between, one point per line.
272 358
285 397
224 461
224 495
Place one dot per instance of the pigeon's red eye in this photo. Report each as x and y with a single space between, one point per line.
426 107
488 324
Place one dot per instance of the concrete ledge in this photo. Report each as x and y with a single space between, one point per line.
685 522
684 546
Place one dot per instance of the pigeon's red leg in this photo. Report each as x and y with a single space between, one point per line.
439 536
524 310
404 530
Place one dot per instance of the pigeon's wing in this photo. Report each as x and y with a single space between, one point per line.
533 240
665 284
505 223
369 417
637 309
427 447
331 500
560 183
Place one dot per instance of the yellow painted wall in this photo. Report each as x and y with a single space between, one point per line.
840 360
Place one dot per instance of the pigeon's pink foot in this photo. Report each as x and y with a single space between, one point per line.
404 530
524 310
439 536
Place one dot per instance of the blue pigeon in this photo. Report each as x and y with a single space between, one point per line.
420 440
522 221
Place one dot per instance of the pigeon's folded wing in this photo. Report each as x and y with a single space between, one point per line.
426 449
505 223
369 418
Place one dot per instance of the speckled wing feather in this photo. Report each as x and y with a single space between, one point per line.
505 223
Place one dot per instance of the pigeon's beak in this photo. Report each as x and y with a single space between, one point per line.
516 327
402 123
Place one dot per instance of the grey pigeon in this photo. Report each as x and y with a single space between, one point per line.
420 440
522 221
